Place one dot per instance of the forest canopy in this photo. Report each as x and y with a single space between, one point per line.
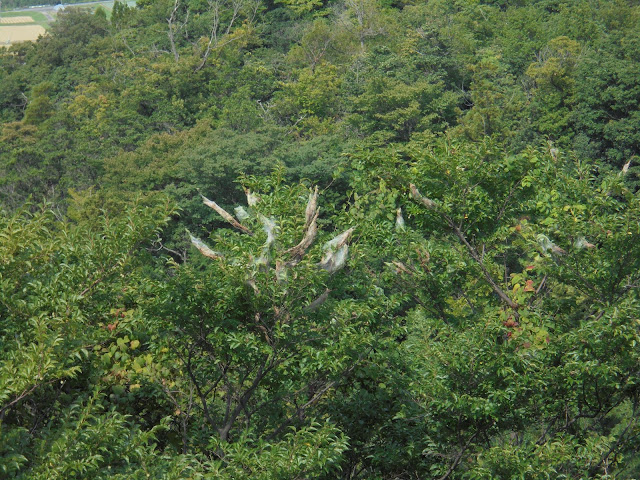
355 239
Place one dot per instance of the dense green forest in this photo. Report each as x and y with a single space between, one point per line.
318 239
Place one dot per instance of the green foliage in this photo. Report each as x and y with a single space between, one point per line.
121 14
261 335
71 36
524 365
463 304
309 450
607 98
310 103
40 108
553 79
396 110
301 6
56 280
495 100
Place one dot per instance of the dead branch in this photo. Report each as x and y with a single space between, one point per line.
226 215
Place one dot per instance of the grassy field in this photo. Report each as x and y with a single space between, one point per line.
13 17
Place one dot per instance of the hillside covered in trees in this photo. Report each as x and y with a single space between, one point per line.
306 239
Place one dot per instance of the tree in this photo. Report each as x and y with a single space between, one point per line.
493 98
270 325
59 282
363 19
40 106
396 110
524 328
553 88
310 101
71 36
606 98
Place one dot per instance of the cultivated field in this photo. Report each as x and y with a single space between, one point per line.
21 26
10 20
19 33
14 28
